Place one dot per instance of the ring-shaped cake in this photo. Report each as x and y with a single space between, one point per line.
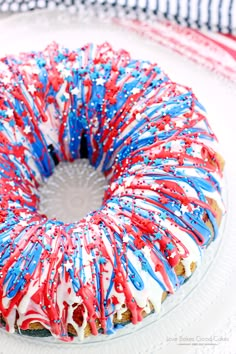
162 208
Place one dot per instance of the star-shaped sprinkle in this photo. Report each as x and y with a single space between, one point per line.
32 89
27 129
153 130
170 246
126 239
163 215
172 255
154 187
65 97
157 236
176 146
189 150
177 213
145 65
184 209
102 260
68 265
138 116
23 223
146 160
6 80
157 162
179 124
135 90
167 127
75 91
60 67
9 112
100 81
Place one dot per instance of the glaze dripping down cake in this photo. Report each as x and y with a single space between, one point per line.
151 139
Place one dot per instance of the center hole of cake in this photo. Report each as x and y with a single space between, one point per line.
74 190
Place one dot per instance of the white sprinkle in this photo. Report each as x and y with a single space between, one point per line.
75 91
67 265
126 239
23 223
145 66
32 89
60 67
177 213
135 90
76 65
138 116
165 98
120 190
9 112
146 251
184 209
65 73
100 81
173 255
167 127
27 129
6 80
179 124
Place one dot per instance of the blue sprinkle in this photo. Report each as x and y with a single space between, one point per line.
102 260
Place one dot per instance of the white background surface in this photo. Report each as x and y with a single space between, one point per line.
204 310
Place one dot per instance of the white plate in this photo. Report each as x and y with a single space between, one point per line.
206 300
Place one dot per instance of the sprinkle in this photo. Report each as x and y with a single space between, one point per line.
100 81
27 129
65 97
179 124
153 130
102 260
177 213
32 89
6 80
135 90
157 236
126 239
75 91
138 116
184 209
170 246
9 112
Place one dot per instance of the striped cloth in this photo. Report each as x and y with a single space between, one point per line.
215 51
216 15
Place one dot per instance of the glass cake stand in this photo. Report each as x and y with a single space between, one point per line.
206 300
